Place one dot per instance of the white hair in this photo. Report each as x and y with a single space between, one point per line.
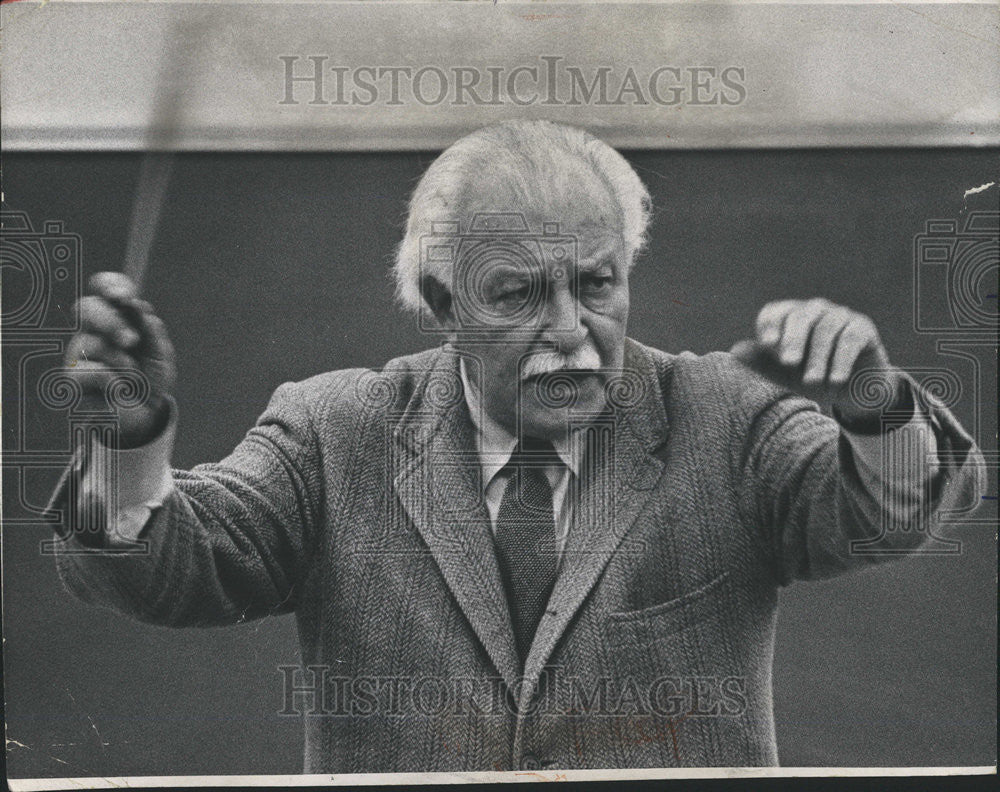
530 163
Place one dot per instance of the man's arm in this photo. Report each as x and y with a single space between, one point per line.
816 487
229 542
224 542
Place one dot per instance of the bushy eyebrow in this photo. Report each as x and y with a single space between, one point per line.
509 271
603 251
594 265
605 257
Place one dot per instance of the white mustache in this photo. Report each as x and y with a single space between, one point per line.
584 358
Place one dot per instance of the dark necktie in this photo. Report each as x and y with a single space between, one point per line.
525 538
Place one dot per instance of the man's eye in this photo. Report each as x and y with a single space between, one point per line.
597 284
512 294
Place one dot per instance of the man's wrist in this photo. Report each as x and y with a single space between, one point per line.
145 425
143 468
861 419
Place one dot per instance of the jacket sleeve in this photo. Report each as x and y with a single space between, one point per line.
820 509
229 542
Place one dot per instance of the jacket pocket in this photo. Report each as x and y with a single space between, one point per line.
678 656
669 616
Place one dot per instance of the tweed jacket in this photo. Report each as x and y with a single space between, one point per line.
355 504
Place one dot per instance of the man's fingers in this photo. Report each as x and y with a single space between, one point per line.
155 340
771 319
121 335
796 331
122 331
99 317
113 286
92 377
129 324
91 348
854 339
821 345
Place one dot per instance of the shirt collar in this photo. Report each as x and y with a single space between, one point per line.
495 444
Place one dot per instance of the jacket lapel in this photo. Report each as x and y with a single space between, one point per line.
438 482
437 479
617 478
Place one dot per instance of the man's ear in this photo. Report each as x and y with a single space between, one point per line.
438 298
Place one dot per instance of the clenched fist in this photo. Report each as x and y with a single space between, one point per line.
121 334
814 347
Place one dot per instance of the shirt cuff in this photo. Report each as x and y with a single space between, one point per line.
904 457
142 478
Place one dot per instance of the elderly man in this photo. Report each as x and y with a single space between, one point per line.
539 544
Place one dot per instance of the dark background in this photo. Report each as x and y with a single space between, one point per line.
270 268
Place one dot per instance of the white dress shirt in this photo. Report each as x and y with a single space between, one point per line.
496 445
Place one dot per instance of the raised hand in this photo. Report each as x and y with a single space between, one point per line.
814 347
120 333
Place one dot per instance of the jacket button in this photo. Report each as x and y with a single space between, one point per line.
530 762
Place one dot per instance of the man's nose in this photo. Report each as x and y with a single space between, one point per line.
562 325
